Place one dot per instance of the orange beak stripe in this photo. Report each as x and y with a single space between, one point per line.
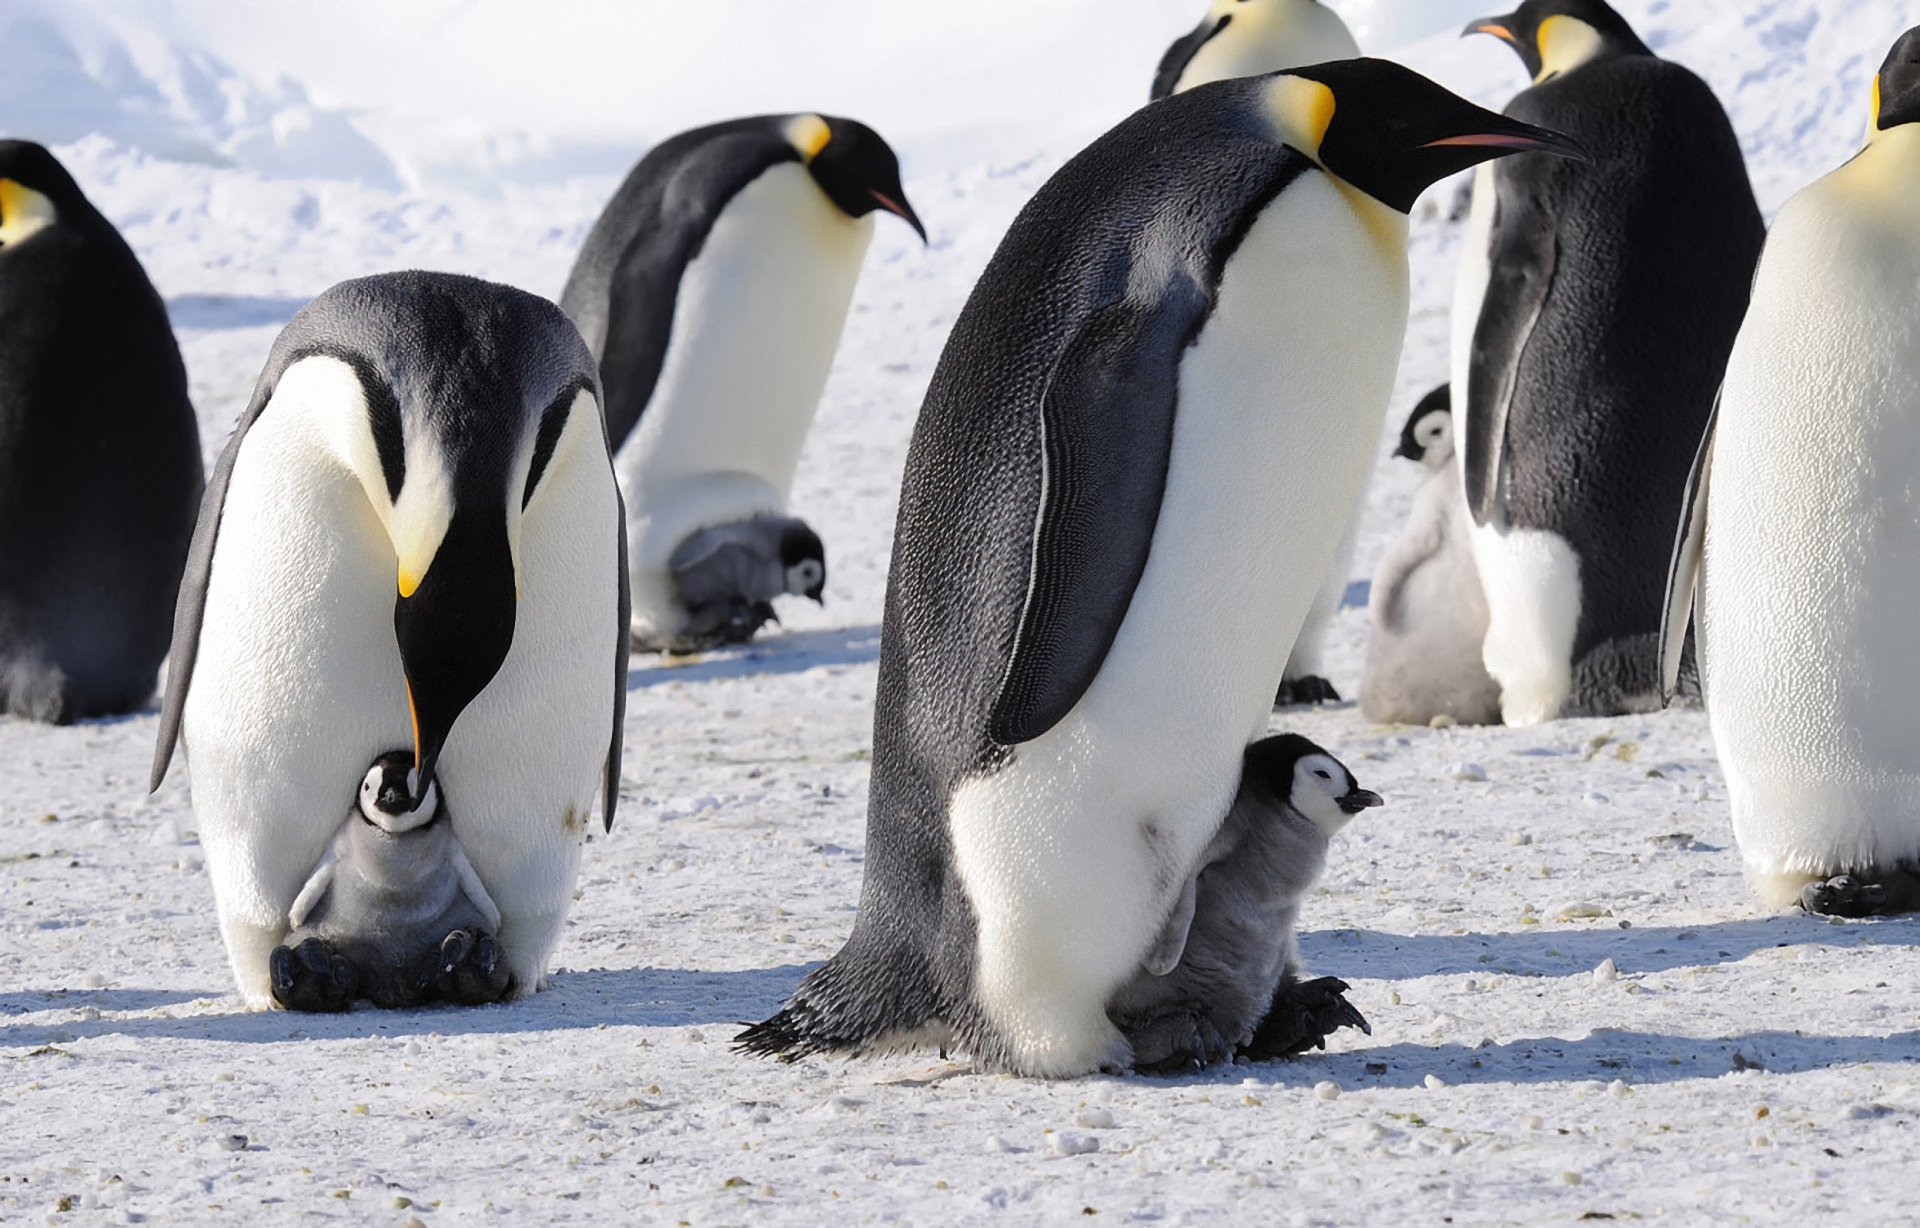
1498 31
413 715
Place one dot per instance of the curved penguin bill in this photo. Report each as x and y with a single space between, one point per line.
454 530
622 291
1553 37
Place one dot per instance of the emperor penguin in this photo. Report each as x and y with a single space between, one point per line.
1595 309
1428 612
395 913
712 291
414 538
1244 38
1138 452
1224 977
1799 553
99 454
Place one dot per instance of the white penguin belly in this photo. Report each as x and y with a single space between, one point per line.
1811 565
756 321
298 685
1072 854
1269 39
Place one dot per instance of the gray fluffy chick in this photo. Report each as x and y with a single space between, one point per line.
394 913
1224 977
726 577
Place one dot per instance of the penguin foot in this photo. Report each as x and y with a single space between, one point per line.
1303 1015
1177 1041
311 977
1305 692
468 971
1871 893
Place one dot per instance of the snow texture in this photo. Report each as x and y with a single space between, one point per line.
1578 1010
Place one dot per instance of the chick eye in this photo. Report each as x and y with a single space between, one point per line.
1322 775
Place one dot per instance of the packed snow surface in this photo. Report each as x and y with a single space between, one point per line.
1578 1011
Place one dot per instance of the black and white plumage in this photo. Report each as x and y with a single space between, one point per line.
712 291
1228 962
1428 612
1245 38
395 913
1595 311
99 454
1105 512
413 539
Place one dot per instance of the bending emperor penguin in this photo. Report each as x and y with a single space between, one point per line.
413 539
1137 451
1429 614
1595 310
712 292
99 454
1244 38
1799 556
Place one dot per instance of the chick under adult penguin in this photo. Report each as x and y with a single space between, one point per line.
712 291
1244 38
1134 460
1798 555
1595 311
413 539
99 454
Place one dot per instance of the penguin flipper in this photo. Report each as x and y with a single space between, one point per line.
1107 433
1683 574
1524 258
1167 949
1174 63
623 646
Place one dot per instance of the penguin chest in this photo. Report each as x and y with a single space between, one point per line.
757 318
1811 566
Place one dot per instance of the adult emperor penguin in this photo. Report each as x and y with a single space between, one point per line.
99 454
1243 38
1429 614
1106 510
413 539
1800 538
1595 310
713 291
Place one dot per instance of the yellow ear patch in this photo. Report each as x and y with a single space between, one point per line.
1565 44
809 134
22 211
1873 118
1301 112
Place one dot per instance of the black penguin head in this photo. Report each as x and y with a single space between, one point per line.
1896 88
803 560
1293 769
1557 36
1429 428
35 191
386 795
857 170
1392 133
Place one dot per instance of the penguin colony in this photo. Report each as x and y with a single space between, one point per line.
400 626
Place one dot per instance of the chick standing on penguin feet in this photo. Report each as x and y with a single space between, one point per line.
713 291
1796 557
1595 310
99 455
414 538
1429 615
395 912
1117 492
1242 38
1229 955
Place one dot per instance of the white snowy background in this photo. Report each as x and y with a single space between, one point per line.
1578 1011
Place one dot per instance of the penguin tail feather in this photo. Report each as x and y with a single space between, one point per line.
835 1010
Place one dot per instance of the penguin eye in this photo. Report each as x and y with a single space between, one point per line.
1321 774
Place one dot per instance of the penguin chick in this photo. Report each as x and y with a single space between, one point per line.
1428 610
727 576
394 913
1224 976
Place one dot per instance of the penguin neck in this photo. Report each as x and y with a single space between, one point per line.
1885 174
1567 44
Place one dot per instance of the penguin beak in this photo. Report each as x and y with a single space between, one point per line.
1491 27
900 209
1519 137
454 630
1359 799
1406 451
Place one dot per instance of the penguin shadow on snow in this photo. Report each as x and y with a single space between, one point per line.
572 1001
1551 951
794 652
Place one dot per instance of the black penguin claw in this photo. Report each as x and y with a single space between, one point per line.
1180 1041
311 977
1843 896
1303 1015
469 972
1305 692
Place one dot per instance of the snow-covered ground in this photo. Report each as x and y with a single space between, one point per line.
1578 1012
